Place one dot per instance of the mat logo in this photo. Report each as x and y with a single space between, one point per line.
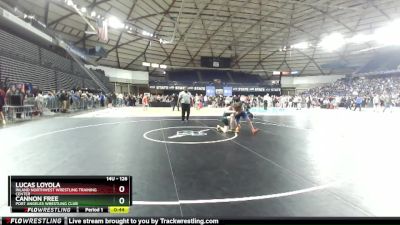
184 133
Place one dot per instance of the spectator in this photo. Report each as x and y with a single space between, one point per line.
2 103
63 99
376 102
266 97
358 103
102 99
145 102
174 102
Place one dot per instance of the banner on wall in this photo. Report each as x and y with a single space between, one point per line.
219 91
228 91
256 89
210 91
176 88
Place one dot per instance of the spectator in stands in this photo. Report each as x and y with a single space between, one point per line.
128 100
368 88
145 101
198 101
120 99
10 92
266 97
297 101
376 102
140 99
174 102
274 101
113 99
39 99
2 103
358 103
102 99
228 101
309 101
388 101
236 99
205 100
63 99
134 100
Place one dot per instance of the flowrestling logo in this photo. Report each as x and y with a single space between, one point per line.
184 133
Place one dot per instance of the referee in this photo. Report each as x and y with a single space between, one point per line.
185 98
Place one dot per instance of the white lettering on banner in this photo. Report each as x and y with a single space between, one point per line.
240 89
199 88
162 87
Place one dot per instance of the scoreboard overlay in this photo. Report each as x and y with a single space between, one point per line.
68 194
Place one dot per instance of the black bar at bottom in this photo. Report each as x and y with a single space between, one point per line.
33 220
44 209
213 221
319 221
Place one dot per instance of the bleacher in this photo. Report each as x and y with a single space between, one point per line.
77 69
102 77
90 84
382 61
55 61
17 71
241 77
22 61
68 81
183 76
211 75
18 48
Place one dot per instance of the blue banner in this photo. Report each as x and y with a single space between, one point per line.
210 90
227 91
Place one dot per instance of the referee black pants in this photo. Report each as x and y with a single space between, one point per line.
185 110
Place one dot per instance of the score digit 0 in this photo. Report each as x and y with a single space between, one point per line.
121 200
121 189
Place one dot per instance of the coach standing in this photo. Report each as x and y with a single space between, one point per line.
185 98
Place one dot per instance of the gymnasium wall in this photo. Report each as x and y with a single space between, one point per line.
123 76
